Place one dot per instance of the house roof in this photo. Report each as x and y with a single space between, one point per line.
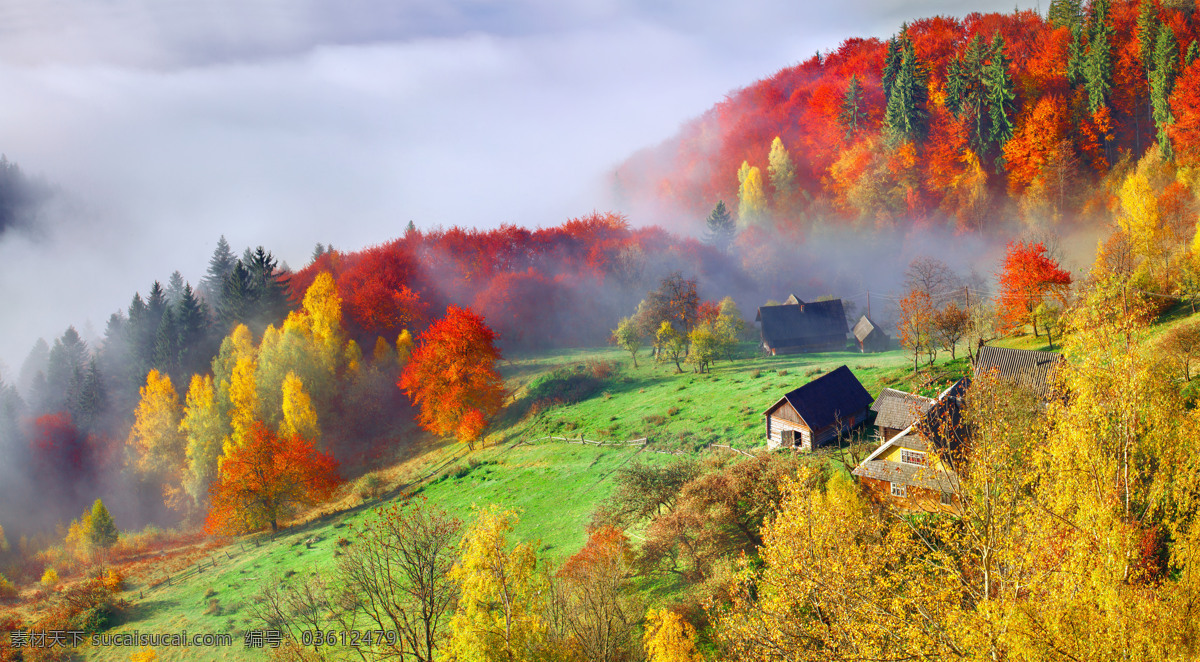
793 300
898 410
800 324
917 437
865 327
1026 367
826 398
909 474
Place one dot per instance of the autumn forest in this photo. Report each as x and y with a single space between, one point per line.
547 443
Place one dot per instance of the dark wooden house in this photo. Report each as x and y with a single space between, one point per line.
814 414
896 410
870 337
792 328
1029 368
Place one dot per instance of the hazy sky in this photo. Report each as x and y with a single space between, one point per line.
167 123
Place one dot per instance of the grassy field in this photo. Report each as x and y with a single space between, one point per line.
555 485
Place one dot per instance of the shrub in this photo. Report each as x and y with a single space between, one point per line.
214 608
50 578
754 374
672 411
601 369
369 486
566 386
782 373
7 589
655 420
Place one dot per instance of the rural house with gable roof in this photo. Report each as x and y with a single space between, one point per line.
816 413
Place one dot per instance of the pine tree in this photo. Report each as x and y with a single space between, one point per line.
1065 13
166 344
906 115
90 400
1193 52
852 112
1097 66
891 63
236 300
220 265
1147 34
721 227
174 288
268 286
967 93
192 325
318 251
1162 84
1076 55
782 173
103 530
65 371
1000 97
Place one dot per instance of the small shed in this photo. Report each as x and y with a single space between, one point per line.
870 337
897 410
814 414
791 328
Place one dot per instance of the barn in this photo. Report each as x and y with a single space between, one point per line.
814 414
870 337
1029 368
792 328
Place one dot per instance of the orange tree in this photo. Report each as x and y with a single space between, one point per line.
266 479
1028 275
452 376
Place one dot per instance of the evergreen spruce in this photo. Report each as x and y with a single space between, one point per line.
891 63
174 288
103 530
219 267
906 115
318 251
1097 66
1162 83
192 324
852 112
1193 52
166 344
1065 13
721 227
235 303
1000 98
1076 56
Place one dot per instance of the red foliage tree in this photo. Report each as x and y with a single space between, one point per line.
452 376
1185 106
268 479
1028 275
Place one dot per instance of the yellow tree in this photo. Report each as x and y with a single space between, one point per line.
299 417
404 347
205 430
243 404
383 352
1140 218
752 201
669 638
155 441
499 608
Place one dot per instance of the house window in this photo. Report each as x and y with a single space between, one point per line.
947 498
899 490
912 457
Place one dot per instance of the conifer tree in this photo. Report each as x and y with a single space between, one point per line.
891 62
103 530
1000 97
721 227
1162 84
220 265
852 112
1065 13
905 117
192 324
1097 66
1193 52
166 344
174 288
1076 55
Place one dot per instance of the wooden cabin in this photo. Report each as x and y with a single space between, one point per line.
814 414
914 470
870 337
1029 368
897 410
792 328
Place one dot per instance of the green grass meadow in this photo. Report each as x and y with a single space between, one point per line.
554 485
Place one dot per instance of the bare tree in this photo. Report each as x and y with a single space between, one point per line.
950 325
293 608
394 575
931 276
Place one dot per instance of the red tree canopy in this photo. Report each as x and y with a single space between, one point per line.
1028 276
452 376
267 480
